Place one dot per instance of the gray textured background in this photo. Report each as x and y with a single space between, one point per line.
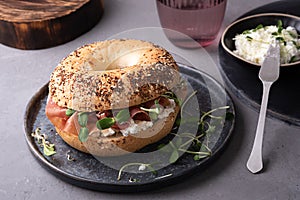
24 72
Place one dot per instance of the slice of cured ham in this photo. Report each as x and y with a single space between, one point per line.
57 115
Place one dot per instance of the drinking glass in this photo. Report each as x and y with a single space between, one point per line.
199 19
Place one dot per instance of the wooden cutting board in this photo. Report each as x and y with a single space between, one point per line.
37 24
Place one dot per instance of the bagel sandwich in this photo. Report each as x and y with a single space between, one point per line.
114 97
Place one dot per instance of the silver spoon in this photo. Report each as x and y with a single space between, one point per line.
268 74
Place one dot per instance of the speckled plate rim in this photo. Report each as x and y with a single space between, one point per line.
123 188
250 17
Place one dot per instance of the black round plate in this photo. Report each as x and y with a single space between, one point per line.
90 173
242 78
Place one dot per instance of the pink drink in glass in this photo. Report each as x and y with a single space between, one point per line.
199 19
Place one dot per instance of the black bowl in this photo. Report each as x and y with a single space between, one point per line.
251 22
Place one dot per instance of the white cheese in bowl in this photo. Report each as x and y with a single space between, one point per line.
253 44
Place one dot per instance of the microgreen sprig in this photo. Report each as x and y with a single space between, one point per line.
155 110
70 112
185 103
107 122
171 95
186 142
209 113
142 166
82 119
190 143
84 131
182 141
83 134
48 148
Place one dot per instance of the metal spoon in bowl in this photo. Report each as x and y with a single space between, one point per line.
268 74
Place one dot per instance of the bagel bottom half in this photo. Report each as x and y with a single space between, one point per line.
117 145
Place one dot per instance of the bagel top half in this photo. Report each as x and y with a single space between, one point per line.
113 74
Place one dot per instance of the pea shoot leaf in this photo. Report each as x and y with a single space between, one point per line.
122 116
83 134
153 116
70 112
48 149
82 119
174 156
105 123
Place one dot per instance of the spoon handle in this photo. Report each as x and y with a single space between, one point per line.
255 163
